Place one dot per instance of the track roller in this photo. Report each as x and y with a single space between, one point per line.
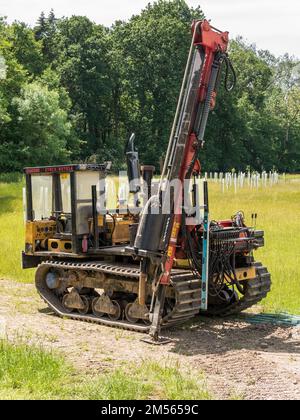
94 310
87 305
66 308
118 313
130 318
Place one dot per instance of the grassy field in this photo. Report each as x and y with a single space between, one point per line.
278 209
29 372
12 233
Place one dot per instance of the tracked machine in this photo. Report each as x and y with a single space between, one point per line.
161 261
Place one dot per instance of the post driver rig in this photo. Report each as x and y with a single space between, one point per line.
157 237
165 264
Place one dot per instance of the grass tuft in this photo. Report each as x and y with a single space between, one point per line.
117 385
174 384
29 372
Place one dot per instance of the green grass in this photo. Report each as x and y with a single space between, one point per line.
29 372
278 209
173 384
12 233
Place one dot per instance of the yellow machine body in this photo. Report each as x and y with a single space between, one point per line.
38 231
59 245
244 273
119 229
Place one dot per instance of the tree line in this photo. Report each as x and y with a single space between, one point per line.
72 90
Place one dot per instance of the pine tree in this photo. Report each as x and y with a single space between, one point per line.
49 43
45 31
40 30
51 19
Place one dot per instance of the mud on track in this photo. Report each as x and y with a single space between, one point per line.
239 359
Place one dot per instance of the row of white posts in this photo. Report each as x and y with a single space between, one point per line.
245 179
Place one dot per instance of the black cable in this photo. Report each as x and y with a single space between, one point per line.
229 67
192 258
114 225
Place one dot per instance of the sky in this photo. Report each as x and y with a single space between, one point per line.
270 24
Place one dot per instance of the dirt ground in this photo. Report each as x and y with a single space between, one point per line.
239 360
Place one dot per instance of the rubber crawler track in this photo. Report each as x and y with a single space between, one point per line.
256 290
186 286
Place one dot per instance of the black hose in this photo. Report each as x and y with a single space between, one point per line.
229 67
114 225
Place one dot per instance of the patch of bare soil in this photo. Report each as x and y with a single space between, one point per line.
240 360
